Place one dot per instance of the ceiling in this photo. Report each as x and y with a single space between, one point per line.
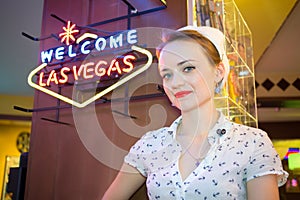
275 38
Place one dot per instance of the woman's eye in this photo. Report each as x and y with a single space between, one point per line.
188 69
166 76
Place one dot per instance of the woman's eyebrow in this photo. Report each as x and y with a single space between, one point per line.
164 69
184 61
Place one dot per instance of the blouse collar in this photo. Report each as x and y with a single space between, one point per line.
219 130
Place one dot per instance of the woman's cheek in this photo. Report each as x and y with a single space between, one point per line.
169 94
171 97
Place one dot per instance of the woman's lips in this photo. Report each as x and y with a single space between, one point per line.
181 94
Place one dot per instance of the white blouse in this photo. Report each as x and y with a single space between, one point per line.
238 154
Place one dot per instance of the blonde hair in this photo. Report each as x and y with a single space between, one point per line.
205 43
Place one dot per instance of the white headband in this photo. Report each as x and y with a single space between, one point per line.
218 39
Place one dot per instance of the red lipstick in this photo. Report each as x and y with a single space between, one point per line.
181 94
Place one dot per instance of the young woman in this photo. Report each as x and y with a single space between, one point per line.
202 155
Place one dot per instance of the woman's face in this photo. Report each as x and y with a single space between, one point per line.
188 75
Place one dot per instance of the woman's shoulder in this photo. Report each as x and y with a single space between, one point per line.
164 133
250 132
238 131
157 139
157 135
250 137
153 143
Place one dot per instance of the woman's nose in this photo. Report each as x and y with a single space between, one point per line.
178 80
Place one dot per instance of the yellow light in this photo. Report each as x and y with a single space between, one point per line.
86 35
294 161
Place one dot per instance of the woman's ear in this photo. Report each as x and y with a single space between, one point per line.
220 72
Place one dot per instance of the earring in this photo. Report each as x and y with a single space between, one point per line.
217 88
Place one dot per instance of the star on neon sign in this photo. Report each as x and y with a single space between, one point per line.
67 36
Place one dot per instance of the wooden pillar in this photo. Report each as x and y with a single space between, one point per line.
60 166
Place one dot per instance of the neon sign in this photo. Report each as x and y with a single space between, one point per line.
68 34
90 69
99 44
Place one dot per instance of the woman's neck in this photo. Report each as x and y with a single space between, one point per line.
199 121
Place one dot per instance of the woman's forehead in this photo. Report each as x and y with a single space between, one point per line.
181 50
